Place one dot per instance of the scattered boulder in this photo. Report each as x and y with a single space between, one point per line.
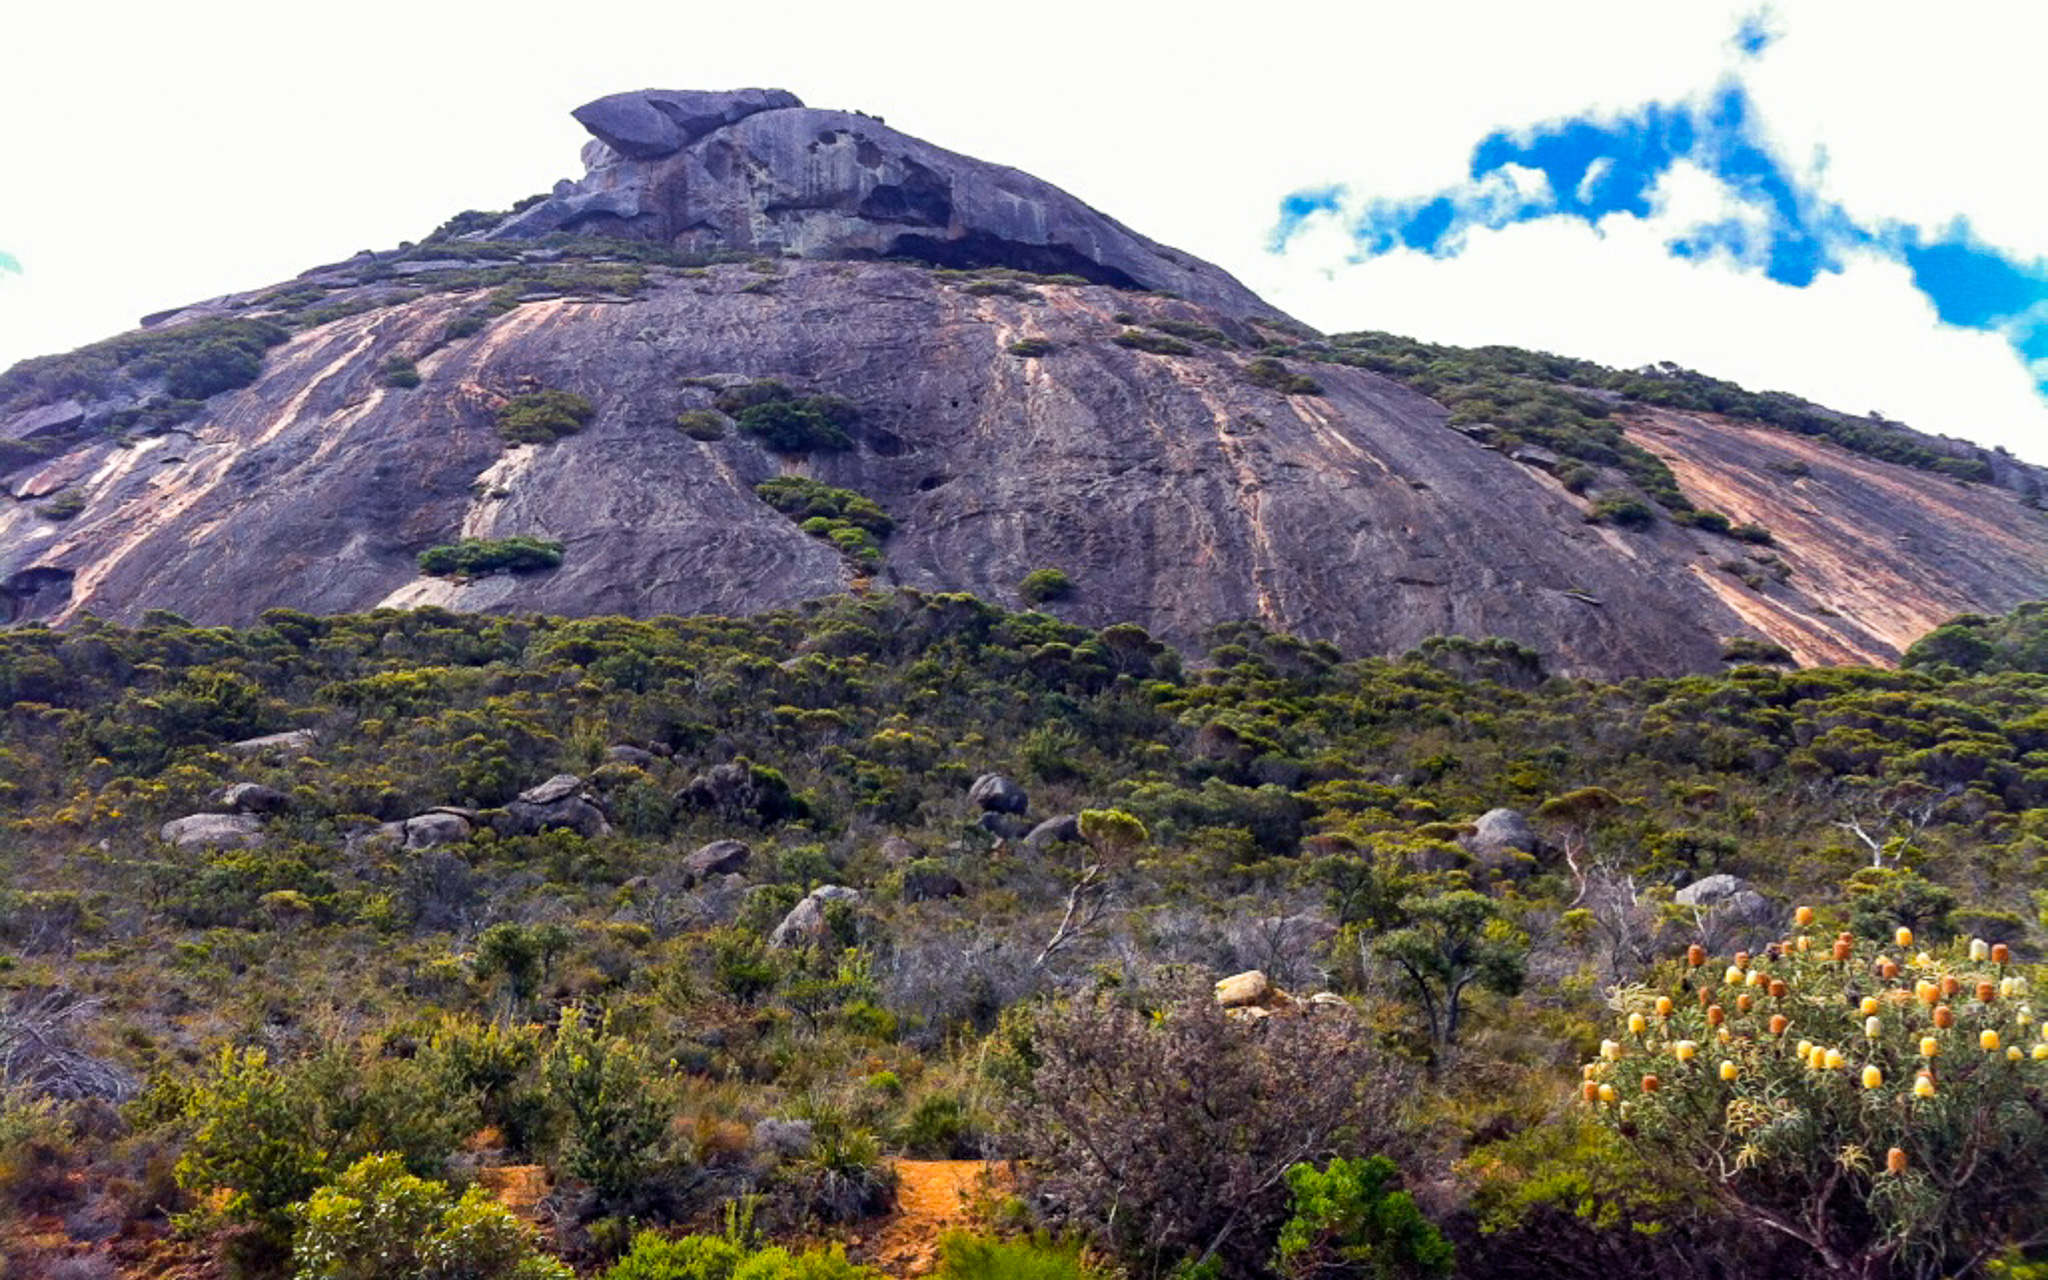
719 858
1065 829
1328 1000
1501 838
739 792
1244 990
252 797
559 787
1530 455
648 124
805 923
623 753
290 742
436 827
559 804
896 850
997 794
214 831
1730 897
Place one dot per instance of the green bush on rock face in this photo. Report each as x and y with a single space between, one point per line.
474 557
542 417
1043 585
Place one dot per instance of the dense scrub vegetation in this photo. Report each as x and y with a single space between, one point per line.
1567 405
385 972
473 557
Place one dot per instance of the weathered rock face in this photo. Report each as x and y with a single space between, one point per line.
1174 490
756 171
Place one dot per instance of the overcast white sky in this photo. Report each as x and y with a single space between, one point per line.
156 154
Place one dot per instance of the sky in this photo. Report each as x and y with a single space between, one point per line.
1839 200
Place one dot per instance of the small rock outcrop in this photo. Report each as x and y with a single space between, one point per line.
1500 838
437 827
559 804
252 797
805 923
927 881
1243 990
756 171
996 794
1730 897
719 858
214 831
625 753
1064 829
290 742
738 792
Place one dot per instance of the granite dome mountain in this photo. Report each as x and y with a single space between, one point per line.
761 353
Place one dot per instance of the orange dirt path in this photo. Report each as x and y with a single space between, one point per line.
932 1198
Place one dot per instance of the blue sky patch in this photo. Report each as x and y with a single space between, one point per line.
1593 167
8 262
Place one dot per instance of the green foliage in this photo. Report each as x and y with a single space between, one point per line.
787 422
1042 586
1973 643
256 1137
1030 347
1192 331
701 424
1452 942
1349 1220
1159 344
475 557
1265 371
1755 649
848 520
378 1222
195 360
601 1083
543 417
964 1256
400 372
656 1257
1623 511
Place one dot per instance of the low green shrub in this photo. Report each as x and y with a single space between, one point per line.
1030 347
62 507
1622 511
542 417
1159 344
474 557
1043 585
965 1256
1191 331
401 372
1269 373
701 424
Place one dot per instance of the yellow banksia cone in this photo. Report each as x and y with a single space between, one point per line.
1729 1070
1872 1078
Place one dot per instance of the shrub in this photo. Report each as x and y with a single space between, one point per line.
701 424
1042 585
1888 1127
1754 649
797 426
1154 1131
378 1222
1159 344
474 557
1349 1221
656 1257
600 1083
400 372
1029 347
964 1256
1711 521
1189 330
1267 372
542 417
1755 534
1622 511
852 522
62 507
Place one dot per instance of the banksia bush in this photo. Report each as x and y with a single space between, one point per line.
1885 1130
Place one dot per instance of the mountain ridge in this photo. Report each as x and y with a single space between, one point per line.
1183 453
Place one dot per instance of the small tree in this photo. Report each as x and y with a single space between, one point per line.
1884 1111
599 1082
1452 942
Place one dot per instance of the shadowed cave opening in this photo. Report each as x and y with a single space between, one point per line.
35 593
980 249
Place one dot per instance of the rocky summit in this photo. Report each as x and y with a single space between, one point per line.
761 353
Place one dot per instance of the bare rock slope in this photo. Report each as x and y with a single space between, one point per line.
1175 486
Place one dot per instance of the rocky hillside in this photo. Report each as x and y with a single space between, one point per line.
743 290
